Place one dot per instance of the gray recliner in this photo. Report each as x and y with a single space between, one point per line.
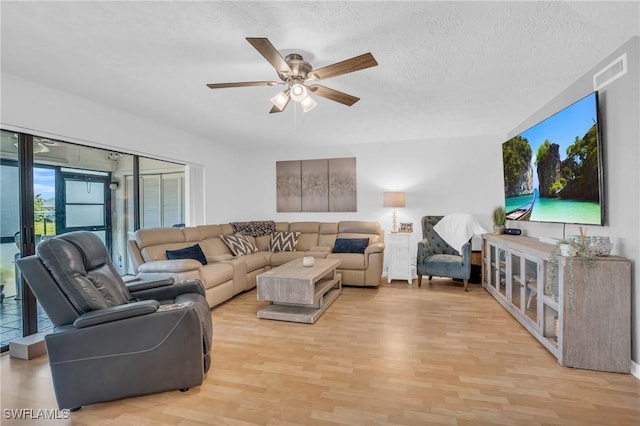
113 340
437 258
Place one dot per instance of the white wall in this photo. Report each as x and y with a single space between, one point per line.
438 177
39 110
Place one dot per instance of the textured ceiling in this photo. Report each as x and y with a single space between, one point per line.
446 69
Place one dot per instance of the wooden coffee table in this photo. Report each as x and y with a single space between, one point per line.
299 293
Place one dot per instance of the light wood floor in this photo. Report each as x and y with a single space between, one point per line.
398 355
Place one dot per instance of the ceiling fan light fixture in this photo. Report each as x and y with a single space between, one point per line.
280 100
308 104
299 92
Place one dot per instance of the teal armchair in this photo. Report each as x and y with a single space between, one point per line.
437 258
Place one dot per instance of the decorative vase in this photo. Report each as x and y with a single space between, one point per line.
498 229
308 261
600 246
566 250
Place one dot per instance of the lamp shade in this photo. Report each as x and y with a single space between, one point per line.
299 92
308 104
281 100
394 199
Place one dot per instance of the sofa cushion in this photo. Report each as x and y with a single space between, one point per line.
214 247
281 257
238 244
350 245
256 260
284 241
191 252
215 274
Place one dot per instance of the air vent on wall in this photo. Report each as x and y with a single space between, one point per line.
611 72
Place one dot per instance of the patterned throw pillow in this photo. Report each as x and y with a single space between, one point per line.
284 241
255 228
238 244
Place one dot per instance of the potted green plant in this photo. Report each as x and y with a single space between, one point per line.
574 247
499 217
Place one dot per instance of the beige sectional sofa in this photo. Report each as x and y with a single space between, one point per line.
226 275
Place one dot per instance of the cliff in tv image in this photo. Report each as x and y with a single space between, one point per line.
574 178
518 173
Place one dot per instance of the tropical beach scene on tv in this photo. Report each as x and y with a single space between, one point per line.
552 171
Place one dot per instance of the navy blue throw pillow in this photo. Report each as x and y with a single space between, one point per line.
350 245
193 252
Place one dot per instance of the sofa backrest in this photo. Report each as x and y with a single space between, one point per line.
327 234
359 229
208 237
308 234
152 244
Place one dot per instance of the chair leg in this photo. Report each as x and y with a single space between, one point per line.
430 283
419 280
466 285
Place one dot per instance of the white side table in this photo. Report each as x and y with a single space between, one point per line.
399 264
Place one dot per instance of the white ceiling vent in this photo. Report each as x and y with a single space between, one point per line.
611 72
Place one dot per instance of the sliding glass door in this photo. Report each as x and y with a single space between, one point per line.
10 245
50 187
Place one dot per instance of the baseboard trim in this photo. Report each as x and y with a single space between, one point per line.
635 369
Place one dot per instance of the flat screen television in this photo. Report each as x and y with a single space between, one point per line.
553 171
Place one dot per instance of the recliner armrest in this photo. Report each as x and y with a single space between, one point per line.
116 313
374 248
171 266
170 292
145 285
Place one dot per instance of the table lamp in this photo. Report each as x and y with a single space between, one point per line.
394 200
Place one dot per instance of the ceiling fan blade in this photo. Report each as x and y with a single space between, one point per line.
334 95
270 53
343 67
242 84
275 109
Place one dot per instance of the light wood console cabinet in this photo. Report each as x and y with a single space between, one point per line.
581 312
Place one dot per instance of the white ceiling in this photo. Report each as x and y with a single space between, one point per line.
446 69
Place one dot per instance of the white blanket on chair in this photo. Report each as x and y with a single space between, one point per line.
456 229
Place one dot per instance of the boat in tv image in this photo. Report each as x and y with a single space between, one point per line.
553 170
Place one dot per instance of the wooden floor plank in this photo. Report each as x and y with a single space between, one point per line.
393 355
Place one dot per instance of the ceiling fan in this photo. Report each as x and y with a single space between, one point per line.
294 71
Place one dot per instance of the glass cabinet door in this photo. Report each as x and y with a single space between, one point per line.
531 289
501 281
492 265
516 281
